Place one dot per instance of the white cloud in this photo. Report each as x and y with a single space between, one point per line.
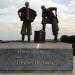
71 7
5 3
8 11
3 11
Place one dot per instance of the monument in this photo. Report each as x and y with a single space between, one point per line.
36 57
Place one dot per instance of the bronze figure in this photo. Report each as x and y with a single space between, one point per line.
27 15
48 17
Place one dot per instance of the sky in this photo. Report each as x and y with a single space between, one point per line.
10 24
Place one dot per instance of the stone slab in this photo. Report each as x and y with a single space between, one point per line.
36 60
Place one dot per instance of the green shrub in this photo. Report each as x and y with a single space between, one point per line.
64 38
68 39
72 39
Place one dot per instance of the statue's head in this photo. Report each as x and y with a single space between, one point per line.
26 4
42 7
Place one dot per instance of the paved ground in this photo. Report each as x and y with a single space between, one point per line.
36 45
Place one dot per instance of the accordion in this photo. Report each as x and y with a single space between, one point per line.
23 16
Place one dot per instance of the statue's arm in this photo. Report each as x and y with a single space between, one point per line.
19 13
55 9
44 16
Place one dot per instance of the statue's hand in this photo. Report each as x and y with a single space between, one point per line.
42 22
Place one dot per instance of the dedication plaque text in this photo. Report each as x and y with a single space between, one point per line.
36 60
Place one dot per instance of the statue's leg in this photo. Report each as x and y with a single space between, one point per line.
28 38
55 37
44 25
23 30
55 31
23 38
29 30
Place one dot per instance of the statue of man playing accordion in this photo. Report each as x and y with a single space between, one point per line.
27 15
49 17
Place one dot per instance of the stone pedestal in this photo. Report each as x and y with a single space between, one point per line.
25 57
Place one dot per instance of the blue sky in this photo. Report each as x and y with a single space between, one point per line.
65 2
10 24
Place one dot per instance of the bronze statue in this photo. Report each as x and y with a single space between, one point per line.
27 15
48 17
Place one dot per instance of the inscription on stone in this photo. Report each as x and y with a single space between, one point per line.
36 60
